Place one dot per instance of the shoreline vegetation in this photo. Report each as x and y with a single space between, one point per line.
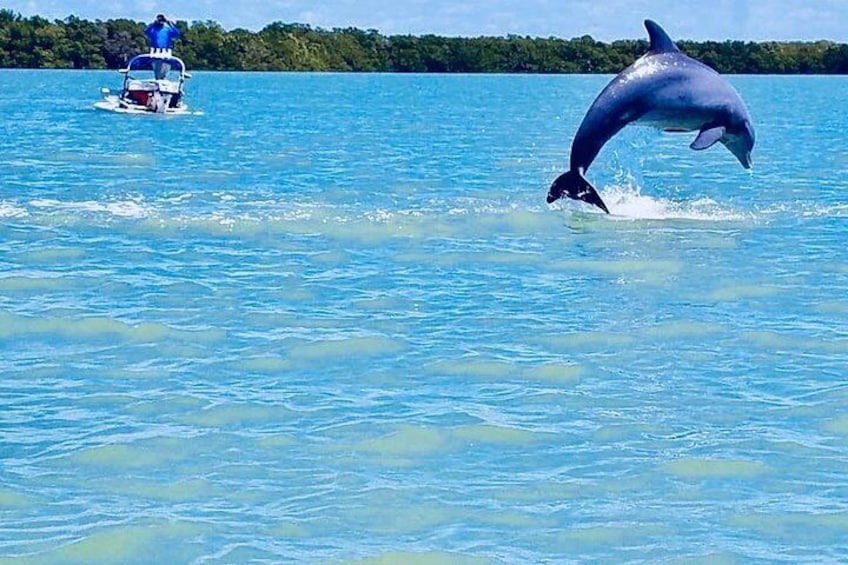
75 43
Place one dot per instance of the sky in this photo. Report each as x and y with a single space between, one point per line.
605 20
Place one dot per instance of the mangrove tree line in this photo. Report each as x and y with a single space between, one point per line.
77 43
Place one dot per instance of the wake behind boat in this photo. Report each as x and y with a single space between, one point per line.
153 84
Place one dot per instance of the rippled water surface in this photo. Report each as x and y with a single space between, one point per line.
332 320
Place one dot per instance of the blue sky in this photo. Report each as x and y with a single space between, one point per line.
756 20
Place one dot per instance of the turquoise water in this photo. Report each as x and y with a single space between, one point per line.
332 320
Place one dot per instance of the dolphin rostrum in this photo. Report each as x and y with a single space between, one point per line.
666 89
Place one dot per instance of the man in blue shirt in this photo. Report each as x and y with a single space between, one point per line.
162 33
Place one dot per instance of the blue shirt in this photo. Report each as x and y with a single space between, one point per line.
162 36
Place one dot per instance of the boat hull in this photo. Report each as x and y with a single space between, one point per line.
119 106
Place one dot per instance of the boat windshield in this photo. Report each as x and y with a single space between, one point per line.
171 67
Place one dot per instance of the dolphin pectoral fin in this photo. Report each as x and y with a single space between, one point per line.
707 138
575 186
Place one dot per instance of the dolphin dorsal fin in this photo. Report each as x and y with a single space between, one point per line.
660 41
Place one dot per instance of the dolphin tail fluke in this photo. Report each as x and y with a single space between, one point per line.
575 186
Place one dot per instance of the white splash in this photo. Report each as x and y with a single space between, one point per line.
12 211
626 202
816 210
122 208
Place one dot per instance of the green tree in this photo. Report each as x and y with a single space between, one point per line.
81 44
124 39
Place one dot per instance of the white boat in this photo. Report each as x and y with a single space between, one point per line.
153 84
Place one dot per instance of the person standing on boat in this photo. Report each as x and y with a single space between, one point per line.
161 34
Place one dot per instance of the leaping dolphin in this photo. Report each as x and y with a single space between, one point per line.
666 89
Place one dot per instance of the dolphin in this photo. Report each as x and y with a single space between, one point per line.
665 89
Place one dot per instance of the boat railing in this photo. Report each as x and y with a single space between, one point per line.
161 54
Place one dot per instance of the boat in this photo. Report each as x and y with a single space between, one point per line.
153 84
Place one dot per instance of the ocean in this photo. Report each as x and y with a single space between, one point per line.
330 319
